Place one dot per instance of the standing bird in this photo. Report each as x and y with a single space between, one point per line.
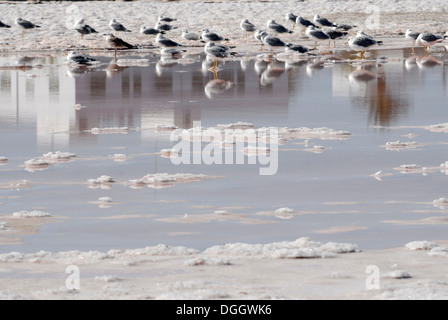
247 26
333 34
2 25
412 35
208 36
25 24
361 42
276 27
304 23
216 52
145 30
272 41
427 40
291 17
117 27
316 35
118 43
83 28
190 36
323 22
164 42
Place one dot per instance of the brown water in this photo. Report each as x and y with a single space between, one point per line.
332 193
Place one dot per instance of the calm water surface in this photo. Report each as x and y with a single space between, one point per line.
332 192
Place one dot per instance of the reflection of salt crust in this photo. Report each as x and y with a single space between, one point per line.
102 179
161 180
3 159
441 203
30 214
122 130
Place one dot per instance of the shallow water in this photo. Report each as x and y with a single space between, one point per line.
332 193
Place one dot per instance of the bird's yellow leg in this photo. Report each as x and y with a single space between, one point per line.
293 26
329 44
334 44
315 45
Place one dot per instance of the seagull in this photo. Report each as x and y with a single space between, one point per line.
291 17
118 43
211 36
361 42
117 27
83 28
165 19
190 36
76 58
278 28
171 51
247 26
427 39
25 24
334 34
164 26
316 35
296 48
272 41
412 35
323 22
344 27
216 51
2 25
304 23
145 30
164 42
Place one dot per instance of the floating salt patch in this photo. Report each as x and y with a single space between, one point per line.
105 199
161 180
2 225
284 213
112 130
168 153
104 182
31 214
3 159
421 245
441 127
441 203
133 62
59 156
36 164
118 157
410 168
79 107
444 167
399 145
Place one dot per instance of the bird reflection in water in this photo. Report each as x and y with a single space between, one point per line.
114 68
384 99
271 73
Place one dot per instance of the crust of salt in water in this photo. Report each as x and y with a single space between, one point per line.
163 180
133 62
441 127
31 214
400 145
58 156
3 160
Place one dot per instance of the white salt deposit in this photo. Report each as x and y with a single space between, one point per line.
58 156
161 180
397 274
31 214
301 248
78 107
421 245
3 160
441 203
133 62
399 145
